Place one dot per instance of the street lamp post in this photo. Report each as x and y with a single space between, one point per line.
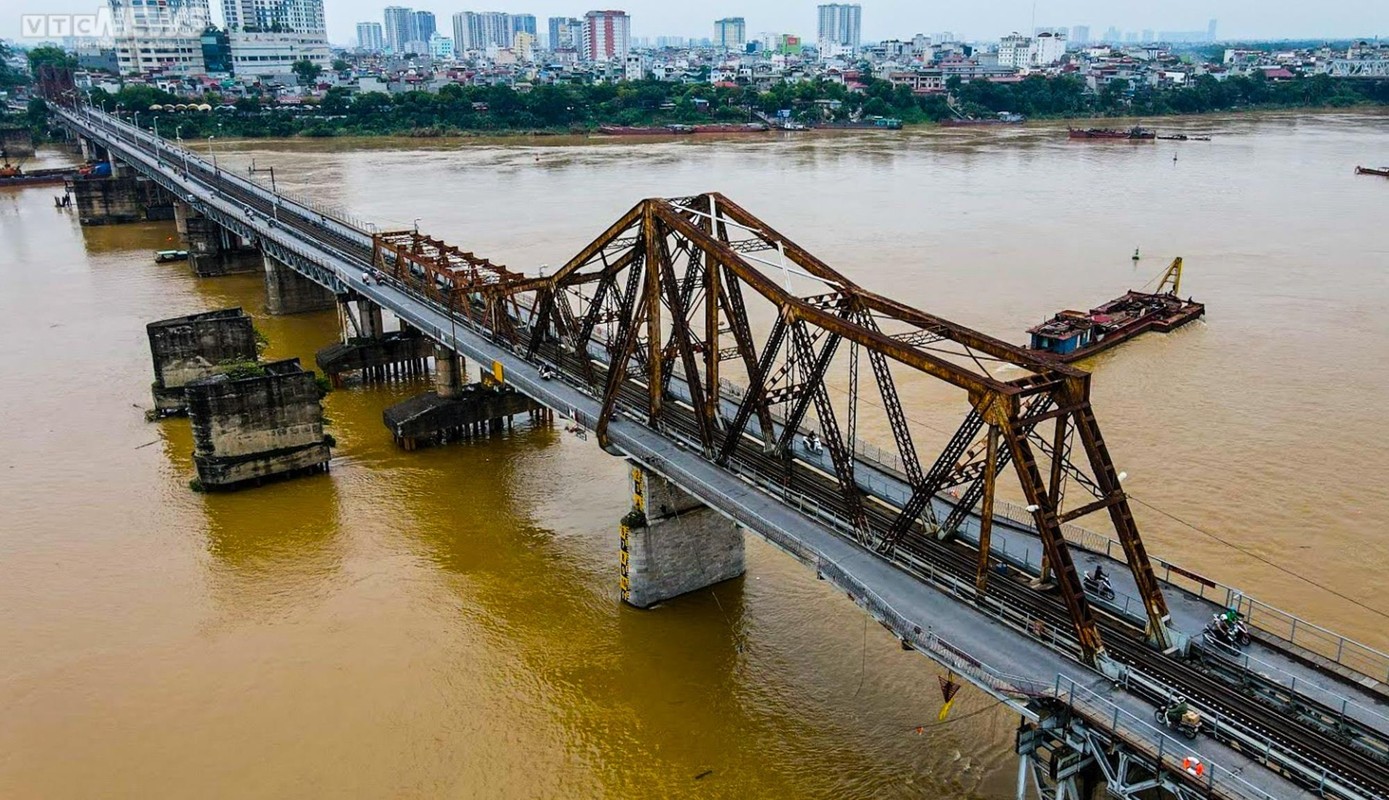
178 135
213 152
274 191
157 161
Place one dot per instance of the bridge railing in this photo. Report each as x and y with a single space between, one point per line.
181 151
1172 755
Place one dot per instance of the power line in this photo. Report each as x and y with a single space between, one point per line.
1260 558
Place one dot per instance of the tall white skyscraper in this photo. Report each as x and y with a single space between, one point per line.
370 37
730 33
607 35
298 16
839 28
163 37
398 24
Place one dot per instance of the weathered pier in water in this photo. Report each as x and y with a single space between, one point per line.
646 338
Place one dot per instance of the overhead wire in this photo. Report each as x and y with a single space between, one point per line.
1259 558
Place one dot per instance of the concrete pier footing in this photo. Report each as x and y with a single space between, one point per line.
369 350
257 425
212 249
288 292
671 544
185 349
476 410
106 201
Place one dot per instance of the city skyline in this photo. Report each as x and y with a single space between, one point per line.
884 19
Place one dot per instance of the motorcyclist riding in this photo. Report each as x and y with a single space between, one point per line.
1177 709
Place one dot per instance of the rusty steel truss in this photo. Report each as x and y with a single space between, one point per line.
763 336
460 281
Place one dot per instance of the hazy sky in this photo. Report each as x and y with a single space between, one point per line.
882 19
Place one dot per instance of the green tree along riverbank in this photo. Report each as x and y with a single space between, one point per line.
561 108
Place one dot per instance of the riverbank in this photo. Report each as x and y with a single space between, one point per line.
1203 124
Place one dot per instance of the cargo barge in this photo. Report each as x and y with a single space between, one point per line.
1134 134
14 176
1073 335
682 130
1003 118
1382 172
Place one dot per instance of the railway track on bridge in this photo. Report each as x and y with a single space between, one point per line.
1365 774
1306 754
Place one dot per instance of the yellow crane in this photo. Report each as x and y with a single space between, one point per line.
1172 277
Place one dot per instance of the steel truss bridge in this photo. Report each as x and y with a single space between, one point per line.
700 342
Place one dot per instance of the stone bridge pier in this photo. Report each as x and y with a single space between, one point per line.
288 292
673 544
212 249
368 348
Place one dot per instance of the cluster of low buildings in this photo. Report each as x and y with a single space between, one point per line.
173 46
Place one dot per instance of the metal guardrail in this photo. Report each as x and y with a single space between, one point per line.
1169 753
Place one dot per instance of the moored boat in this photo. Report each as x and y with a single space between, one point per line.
163 256
1136 133
1003 118
643 130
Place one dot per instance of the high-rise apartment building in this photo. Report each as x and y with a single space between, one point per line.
523 23
607 36
370 37
278 16
398 27
163 37
731 33
839 28
566 33
422 26
1080 34
464 27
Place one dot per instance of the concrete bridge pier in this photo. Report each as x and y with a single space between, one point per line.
288 292
106 201
672 544
367 348
212 249
185 349
255 423
449 369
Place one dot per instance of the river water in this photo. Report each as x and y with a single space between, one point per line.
446 622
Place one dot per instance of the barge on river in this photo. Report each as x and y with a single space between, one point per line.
1382 171
1134 134
1073 335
